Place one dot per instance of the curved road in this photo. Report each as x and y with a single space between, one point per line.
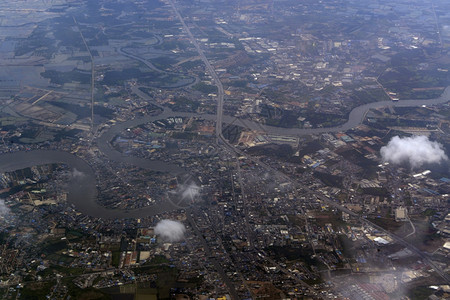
13 160
83 192
356 116
152 67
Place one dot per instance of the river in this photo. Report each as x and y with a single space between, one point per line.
355 118
83 191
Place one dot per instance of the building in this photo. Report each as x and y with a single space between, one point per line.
401 214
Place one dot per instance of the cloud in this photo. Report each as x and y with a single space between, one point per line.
171 231
4 210
77 174
187 191
416 151
7 218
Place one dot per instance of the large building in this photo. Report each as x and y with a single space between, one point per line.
401 214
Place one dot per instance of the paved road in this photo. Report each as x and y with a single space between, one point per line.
152 67
356 117
219 114
395 237
336 205
208 252
210 69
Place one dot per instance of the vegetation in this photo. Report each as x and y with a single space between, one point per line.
119 77
232 133
189 65
163 62
410 81
84 111
36 290
371 95
282 152
75 75
37 40
420 292
184 104
238 83
171 45
153 78
294 254
357 158
184 135
64 33
329 179
429 212
381 191
324 119
403 122
115 258
205 88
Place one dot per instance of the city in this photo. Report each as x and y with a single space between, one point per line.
248 149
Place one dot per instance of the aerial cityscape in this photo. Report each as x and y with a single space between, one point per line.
225 149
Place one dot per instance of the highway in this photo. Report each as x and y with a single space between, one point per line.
152 67
221 138
395 237
92 75
212 73
336 205
356 117
209 253
219 114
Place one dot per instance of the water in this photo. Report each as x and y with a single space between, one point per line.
83 190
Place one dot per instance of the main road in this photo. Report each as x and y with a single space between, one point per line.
219 114
355 118
211 71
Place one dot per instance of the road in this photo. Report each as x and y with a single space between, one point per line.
211 71
221 139
336 205
219 114
152 67
92 75
251 238
356 117
413 228
395 237
208 252
323 198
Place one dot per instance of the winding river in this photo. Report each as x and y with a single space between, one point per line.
356 116
82 190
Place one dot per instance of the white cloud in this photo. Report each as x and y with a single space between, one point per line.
416 151
171 231
4 210
187 191
77 174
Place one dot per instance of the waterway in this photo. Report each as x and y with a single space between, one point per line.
83 190
355 118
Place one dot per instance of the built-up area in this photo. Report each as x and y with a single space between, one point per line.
108 124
